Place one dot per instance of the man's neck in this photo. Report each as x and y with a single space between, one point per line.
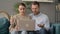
37 13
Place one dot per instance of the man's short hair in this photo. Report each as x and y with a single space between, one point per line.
35 3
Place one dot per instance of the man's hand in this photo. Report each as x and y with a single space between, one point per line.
41 25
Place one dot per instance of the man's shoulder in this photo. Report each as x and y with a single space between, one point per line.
45 15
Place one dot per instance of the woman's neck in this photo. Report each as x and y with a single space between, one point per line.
22 14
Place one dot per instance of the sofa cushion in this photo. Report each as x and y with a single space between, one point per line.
4 26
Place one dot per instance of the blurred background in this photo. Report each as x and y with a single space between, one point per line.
49 7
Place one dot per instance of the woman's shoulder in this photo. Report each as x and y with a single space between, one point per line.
28 17
15 16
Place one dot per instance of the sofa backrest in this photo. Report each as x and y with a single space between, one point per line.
4 25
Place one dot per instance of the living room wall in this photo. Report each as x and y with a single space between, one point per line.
47 8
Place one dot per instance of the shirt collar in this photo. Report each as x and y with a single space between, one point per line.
38 14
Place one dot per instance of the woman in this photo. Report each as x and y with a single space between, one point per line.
14 20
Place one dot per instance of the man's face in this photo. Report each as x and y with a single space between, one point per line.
35 9
21 9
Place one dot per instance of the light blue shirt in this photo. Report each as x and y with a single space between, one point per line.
40 19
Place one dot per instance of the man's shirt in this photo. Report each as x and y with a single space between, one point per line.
40 19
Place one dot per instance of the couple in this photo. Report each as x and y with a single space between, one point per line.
41 20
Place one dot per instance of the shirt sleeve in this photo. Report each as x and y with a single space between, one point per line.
47 24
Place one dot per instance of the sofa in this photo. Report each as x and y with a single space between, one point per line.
4 25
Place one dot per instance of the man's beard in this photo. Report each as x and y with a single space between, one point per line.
36 13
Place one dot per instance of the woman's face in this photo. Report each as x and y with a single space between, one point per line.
21 9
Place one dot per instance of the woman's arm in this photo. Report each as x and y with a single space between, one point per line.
12 23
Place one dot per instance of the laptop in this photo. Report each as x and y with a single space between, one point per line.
26 24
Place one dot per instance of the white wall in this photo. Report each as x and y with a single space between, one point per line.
47 8
7 5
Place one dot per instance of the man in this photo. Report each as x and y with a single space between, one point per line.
41 20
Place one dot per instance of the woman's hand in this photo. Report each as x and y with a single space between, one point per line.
17 28
11 20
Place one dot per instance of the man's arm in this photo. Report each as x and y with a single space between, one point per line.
47 24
